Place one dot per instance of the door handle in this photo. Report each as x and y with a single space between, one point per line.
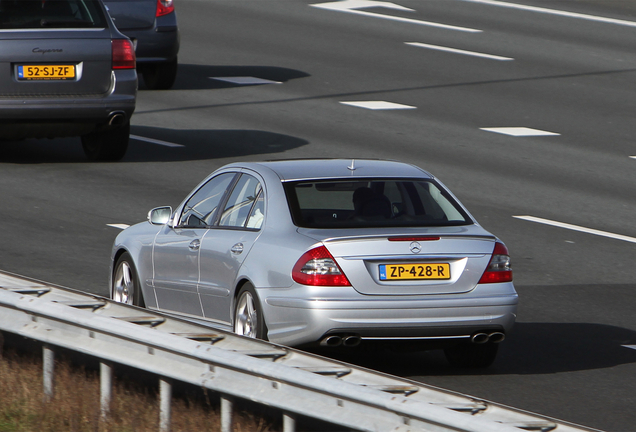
237 249
195 245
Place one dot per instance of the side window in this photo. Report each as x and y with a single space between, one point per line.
239 205
258 213
201 209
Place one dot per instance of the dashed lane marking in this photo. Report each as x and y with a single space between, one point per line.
118 226
520 131
378 105
155 141
577 228
458 51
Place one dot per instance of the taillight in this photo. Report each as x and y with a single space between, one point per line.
123 54
499 269
164 7
317 267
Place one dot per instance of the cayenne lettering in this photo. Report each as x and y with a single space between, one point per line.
47 50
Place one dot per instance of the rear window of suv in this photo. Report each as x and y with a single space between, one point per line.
51 14
372 203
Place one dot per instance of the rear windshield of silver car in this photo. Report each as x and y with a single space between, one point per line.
51 14
369 203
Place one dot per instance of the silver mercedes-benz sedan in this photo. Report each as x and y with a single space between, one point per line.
324 252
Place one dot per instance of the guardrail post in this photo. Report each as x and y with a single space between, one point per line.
48 363
165 400
226 414
105 387
289 422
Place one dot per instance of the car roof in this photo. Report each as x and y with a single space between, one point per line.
306 169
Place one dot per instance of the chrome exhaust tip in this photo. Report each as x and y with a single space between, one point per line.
117 118
479 338
496 337
331 341
351 341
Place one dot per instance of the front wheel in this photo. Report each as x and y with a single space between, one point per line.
126 288
471 355
248 317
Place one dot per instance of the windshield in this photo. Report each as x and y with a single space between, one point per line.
345 203
51 14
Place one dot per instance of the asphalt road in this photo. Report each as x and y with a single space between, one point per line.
563 70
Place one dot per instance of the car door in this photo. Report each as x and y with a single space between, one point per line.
225 247
177 248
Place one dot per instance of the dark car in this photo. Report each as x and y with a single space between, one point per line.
152 27
65 70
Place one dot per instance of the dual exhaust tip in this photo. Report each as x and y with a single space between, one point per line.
337 340
482 338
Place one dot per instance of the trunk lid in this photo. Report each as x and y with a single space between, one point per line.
87 53
448 260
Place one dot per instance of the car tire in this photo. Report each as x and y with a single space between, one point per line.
471 355
248 316
160 76
125 283
107 145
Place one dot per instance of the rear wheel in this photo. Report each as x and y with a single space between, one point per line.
471 355
126 287
160 76
248 317
107 145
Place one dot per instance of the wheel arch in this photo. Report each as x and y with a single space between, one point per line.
239 285
113 265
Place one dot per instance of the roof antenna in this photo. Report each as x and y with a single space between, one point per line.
353 165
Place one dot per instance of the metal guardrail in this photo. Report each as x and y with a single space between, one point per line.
296 382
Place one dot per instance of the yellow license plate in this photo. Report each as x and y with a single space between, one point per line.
46 72
415 271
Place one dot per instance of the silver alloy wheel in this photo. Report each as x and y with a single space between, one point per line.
123 285
246 318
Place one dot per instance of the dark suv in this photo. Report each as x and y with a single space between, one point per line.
152 27
65 70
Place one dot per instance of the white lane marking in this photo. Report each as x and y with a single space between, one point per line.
520 131
633 157
155 141
577 228
118 226
458 51
630 346
556 12
378 105
245 80
352 6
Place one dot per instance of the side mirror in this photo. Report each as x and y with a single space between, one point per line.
159 215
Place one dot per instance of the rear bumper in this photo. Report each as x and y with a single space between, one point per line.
157 44
67 115
303 319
